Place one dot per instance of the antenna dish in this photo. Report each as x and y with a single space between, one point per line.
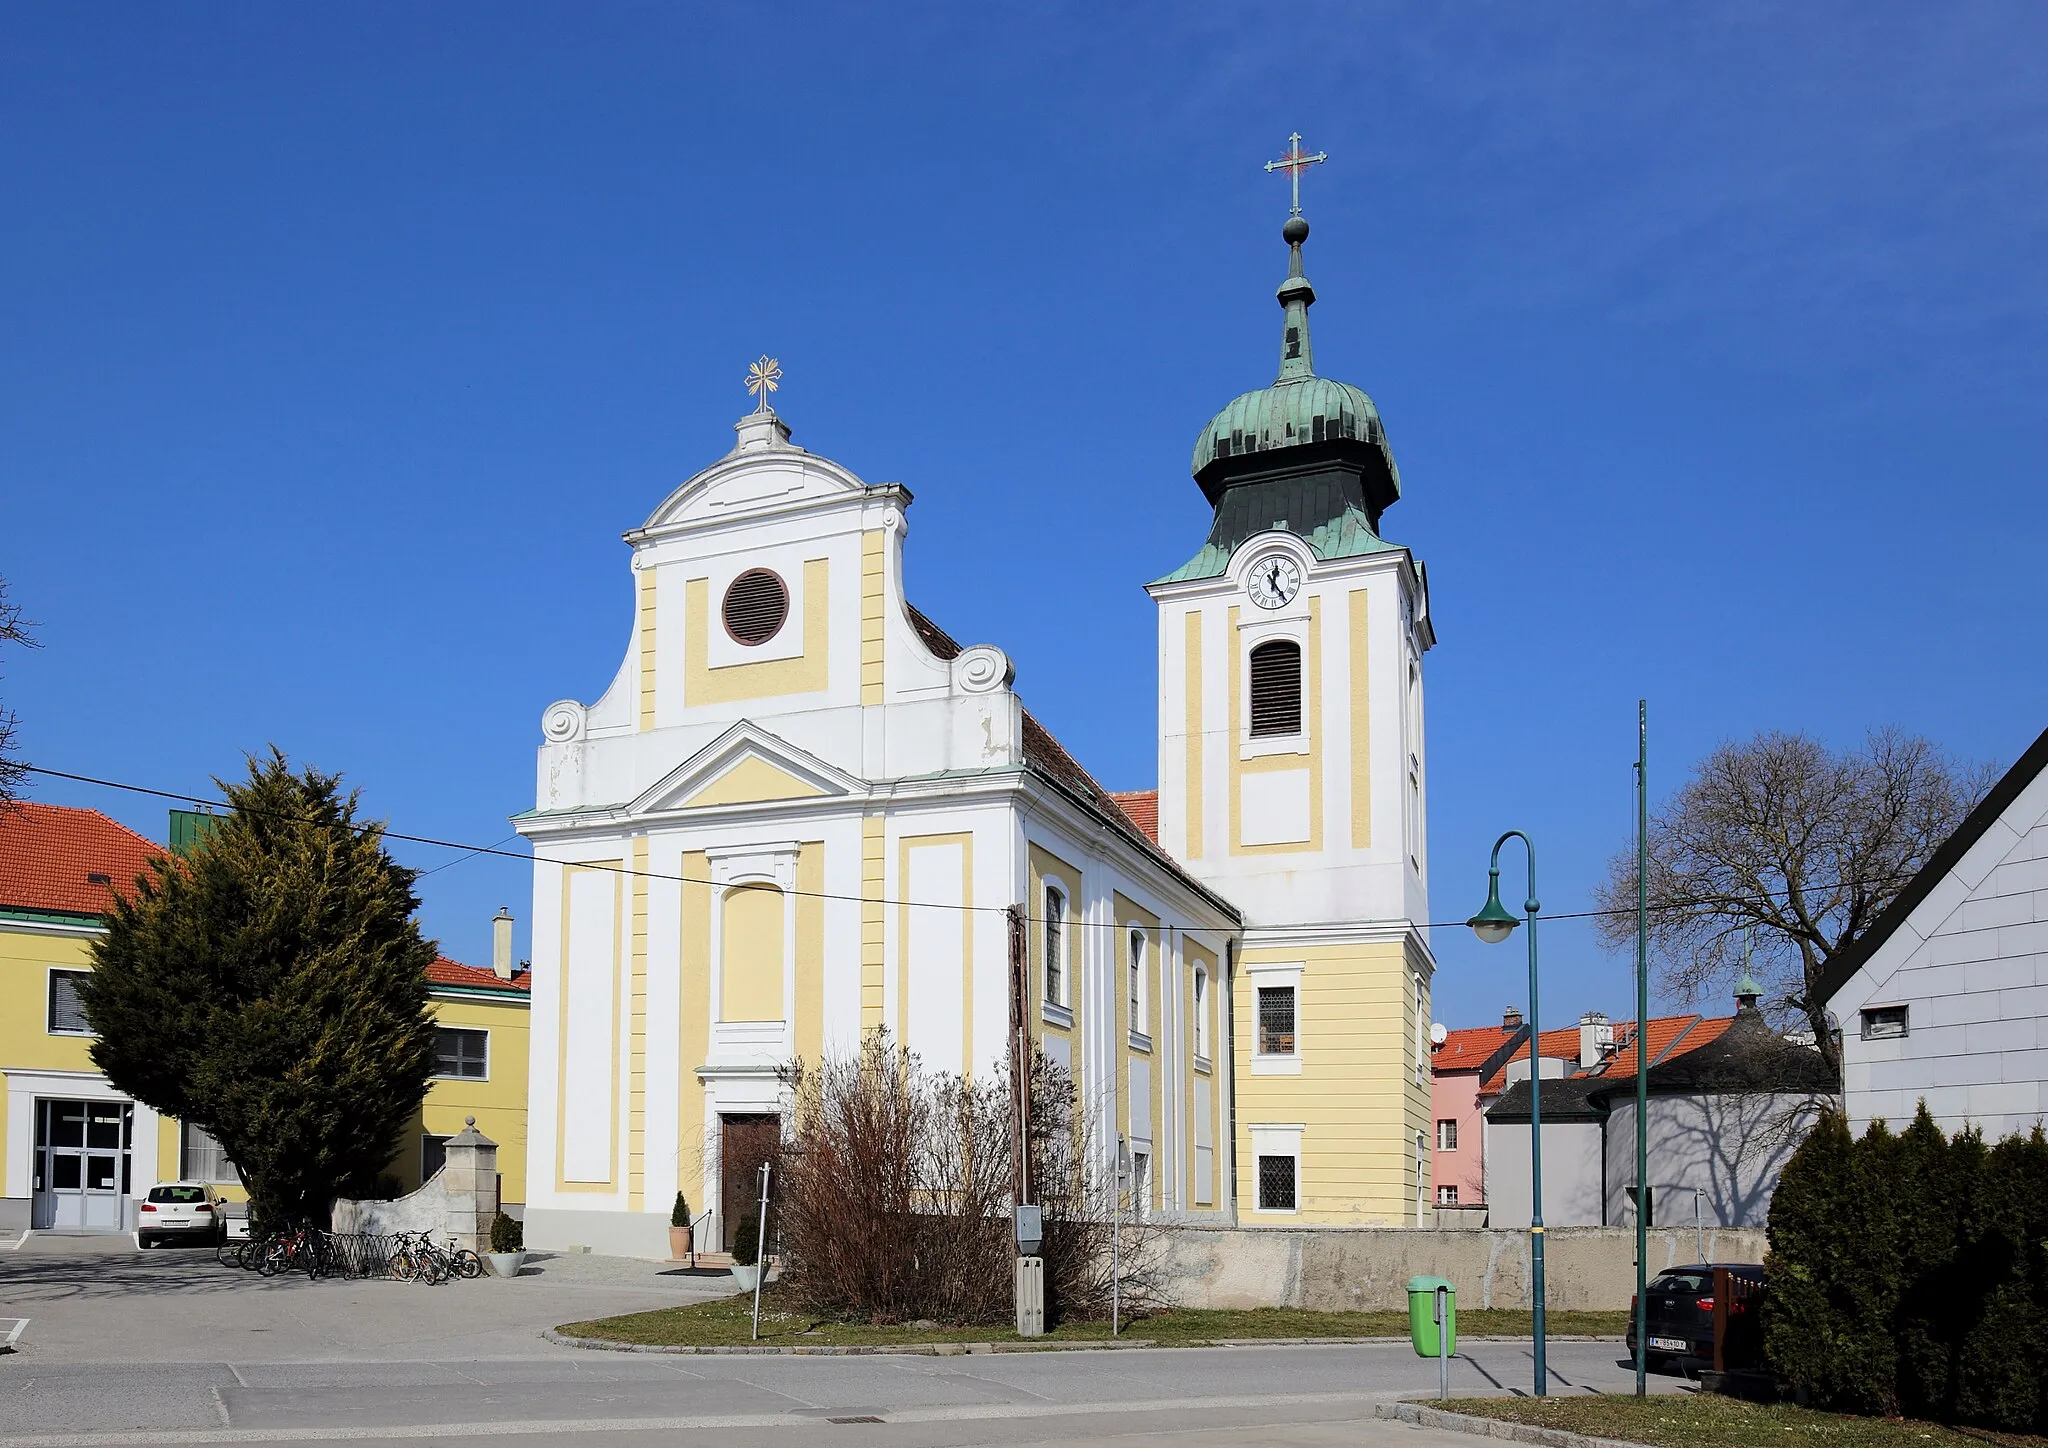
1438 1034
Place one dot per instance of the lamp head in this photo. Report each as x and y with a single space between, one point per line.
1493 924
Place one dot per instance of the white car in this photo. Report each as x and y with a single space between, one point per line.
178 1209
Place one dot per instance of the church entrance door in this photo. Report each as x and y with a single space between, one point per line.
744 1142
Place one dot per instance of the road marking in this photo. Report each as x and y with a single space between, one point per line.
14 1333
526 1427
220 1406
15 1245
238 1375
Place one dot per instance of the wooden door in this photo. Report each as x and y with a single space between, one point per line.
744 1142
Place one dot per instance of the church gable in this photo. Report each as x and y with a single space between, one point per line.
745 765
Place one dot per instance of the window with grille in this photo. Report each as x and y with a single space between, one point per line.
756 605
1447 1136
1884 1023
1276 687
1201 1012
462 1055
1141 1182
1055 957
1447 1196
1276 1020
1276 1183
67 1016
1138 1021
202 1159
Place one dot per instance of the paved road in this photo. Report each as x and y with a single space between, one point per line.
167 1347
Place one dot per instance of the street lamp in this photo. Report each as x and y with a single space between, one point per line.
1493 925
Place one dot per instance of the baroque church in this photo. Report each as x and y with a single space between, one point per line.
800 810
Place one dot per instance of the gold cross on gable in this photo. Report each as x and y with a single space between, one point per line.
763 377
1294 163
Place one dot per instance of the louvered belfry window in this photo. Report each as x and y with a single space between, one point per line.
756 606
1276 688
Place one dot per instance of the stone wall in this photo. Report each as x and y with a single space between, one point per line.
1367 1268
457 1202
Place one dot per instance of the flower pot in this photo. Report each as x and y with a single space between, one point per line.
679 1242
505 1264
746 1276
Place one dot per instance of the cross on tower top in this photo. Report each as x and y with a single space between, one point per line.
1294 163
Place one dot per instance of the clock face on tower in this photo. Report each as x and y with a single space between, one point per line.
1274 581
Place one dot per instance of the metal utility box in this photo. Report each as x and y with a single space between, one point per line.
1031 1297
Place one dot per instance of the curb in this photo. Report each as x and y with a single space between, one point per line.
958 1349
1494 1427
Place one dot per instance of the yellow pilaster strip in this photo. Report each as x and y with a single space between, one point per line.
873 868
1193 688
1319 729
1361 726
646 625
873 566
636 1061
809 1006
694 1027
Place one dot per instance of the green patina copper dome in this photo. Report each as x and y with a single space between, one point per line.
1307 454
1299 410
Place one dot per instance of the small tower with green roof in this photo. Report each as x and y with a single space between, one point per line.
1293 780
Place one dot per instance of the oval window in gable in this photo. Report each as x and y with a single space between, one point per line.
756 607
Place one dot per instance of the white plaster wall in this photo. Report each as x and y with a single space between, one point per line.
1731 1147
1571 1174
1971 967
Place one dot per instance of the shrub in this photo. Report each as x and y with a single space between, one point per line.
1909 1274
746 1240
895 1199
508 1234
679 1214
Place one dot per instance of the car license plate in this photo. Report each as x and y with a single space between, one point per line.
1668 1344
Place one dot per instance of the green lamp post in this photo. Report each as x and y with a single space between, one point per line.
1493 925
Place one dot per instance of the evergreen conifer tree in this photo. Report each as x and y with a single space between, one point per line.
270 987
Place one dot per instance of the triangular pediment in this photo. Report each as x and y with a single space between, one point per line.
746 765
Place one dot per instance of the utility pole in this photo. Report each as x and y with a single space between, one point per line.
1642 1045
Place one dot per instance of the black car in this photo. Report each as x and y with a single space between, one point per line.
1680 1316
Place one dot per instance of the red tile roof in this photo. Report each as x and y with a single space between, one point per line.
49 852
1142 805
1670 1037
453 972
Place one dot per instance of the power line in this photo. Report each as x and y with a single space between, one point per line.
473 850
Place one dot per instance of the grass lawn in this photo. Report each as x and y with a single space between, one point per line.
1700 1420
727 1321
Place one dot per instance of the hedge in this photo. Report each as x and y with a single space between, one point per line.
1909 1274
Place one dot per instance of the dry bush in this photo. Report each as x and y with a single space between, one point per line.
895 1200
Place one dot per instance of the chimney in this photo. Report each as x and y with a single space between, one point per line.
1511 1019
501 944
1596 1039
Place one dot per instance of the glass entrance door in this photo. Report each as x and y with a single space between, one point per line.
81 1165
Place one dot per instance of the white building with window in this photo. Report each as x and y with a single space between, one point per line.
800 811
1945 998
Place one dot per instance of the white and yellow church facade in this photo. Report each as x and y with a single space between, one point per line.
801 809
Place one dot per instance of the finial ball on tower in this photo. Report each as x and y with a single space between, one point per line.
1295 232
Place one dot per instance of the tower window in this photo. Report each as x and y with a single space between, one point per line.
1316 427
1276 688
1294 341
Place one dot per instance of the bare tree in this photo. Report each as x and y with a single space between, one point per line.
14 629
1781 841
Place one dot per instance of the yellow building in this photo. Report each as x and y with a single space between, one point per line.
1292 781
77 1154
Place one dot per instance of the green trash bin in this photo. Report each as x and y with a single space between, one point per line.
1422 1316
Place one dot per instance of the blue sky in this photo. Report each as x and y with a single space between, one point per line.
343 343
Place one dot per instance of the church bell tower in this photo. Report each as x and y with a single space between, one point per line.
1293 779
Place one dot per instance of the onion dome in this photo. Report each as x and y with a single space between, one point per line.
1307 454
